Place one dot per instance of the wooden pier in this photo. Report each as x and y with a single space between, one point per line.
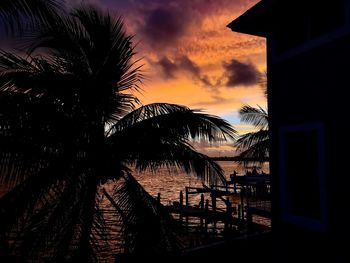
223 210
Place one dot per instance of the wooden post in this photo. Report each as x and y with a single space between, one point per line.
201 207
213 203
181 199
229 213
186 189
239 211
158 198
243 191
181 206
249 218
206 215
202 201
213 200
187 204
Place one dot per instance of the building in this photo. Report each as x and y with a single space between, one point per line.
308 58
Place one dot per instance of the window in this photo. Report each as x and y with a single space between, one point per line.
302 175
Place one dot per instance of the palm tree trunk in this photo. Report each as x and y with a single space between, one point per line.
92 166
85 252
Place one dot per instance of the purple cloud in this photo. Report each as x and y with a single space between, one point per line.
181 63
163 27
239 73
162 23
168 67
188 65
236 72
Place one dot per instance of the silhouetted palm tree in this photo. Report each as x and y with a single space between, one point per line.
254 146
68 132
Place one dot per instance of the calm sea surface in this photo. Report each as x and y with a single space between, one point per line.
170 183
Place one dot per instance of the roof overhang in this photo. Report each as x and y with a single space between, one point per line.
253 21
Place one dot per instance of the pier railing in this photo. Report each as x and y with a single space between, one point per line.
223 211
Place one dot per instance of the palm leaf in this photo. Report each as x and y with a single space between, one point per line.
248 140
255 116
15 14
111 49
148 228
95 48
257 153
178 120
253 147
156 154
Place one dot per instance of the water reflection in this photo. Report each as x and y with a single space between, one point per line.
170 183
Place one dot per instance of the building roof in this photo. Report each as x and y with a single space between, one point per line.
253 21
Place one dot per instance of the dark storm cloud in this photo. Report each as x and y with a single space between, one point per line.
188 65
181 63
163 27
168 67
184 64
239 73
207 82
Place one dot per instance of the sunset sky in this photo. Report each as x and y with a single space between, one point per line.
191 58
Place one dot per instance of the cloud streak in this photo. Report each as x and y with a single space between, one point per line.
172 69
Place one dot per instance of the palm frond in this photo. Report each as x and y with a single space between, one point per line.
119 105
94 48
97 42
156 153
176 119
248 140
254 146
148 228
255 116
111 49
48 219
66 40
15 14
27 210
22 199
32 134
257 153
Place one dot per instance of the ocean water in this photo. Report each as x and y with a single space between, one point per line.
170 183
